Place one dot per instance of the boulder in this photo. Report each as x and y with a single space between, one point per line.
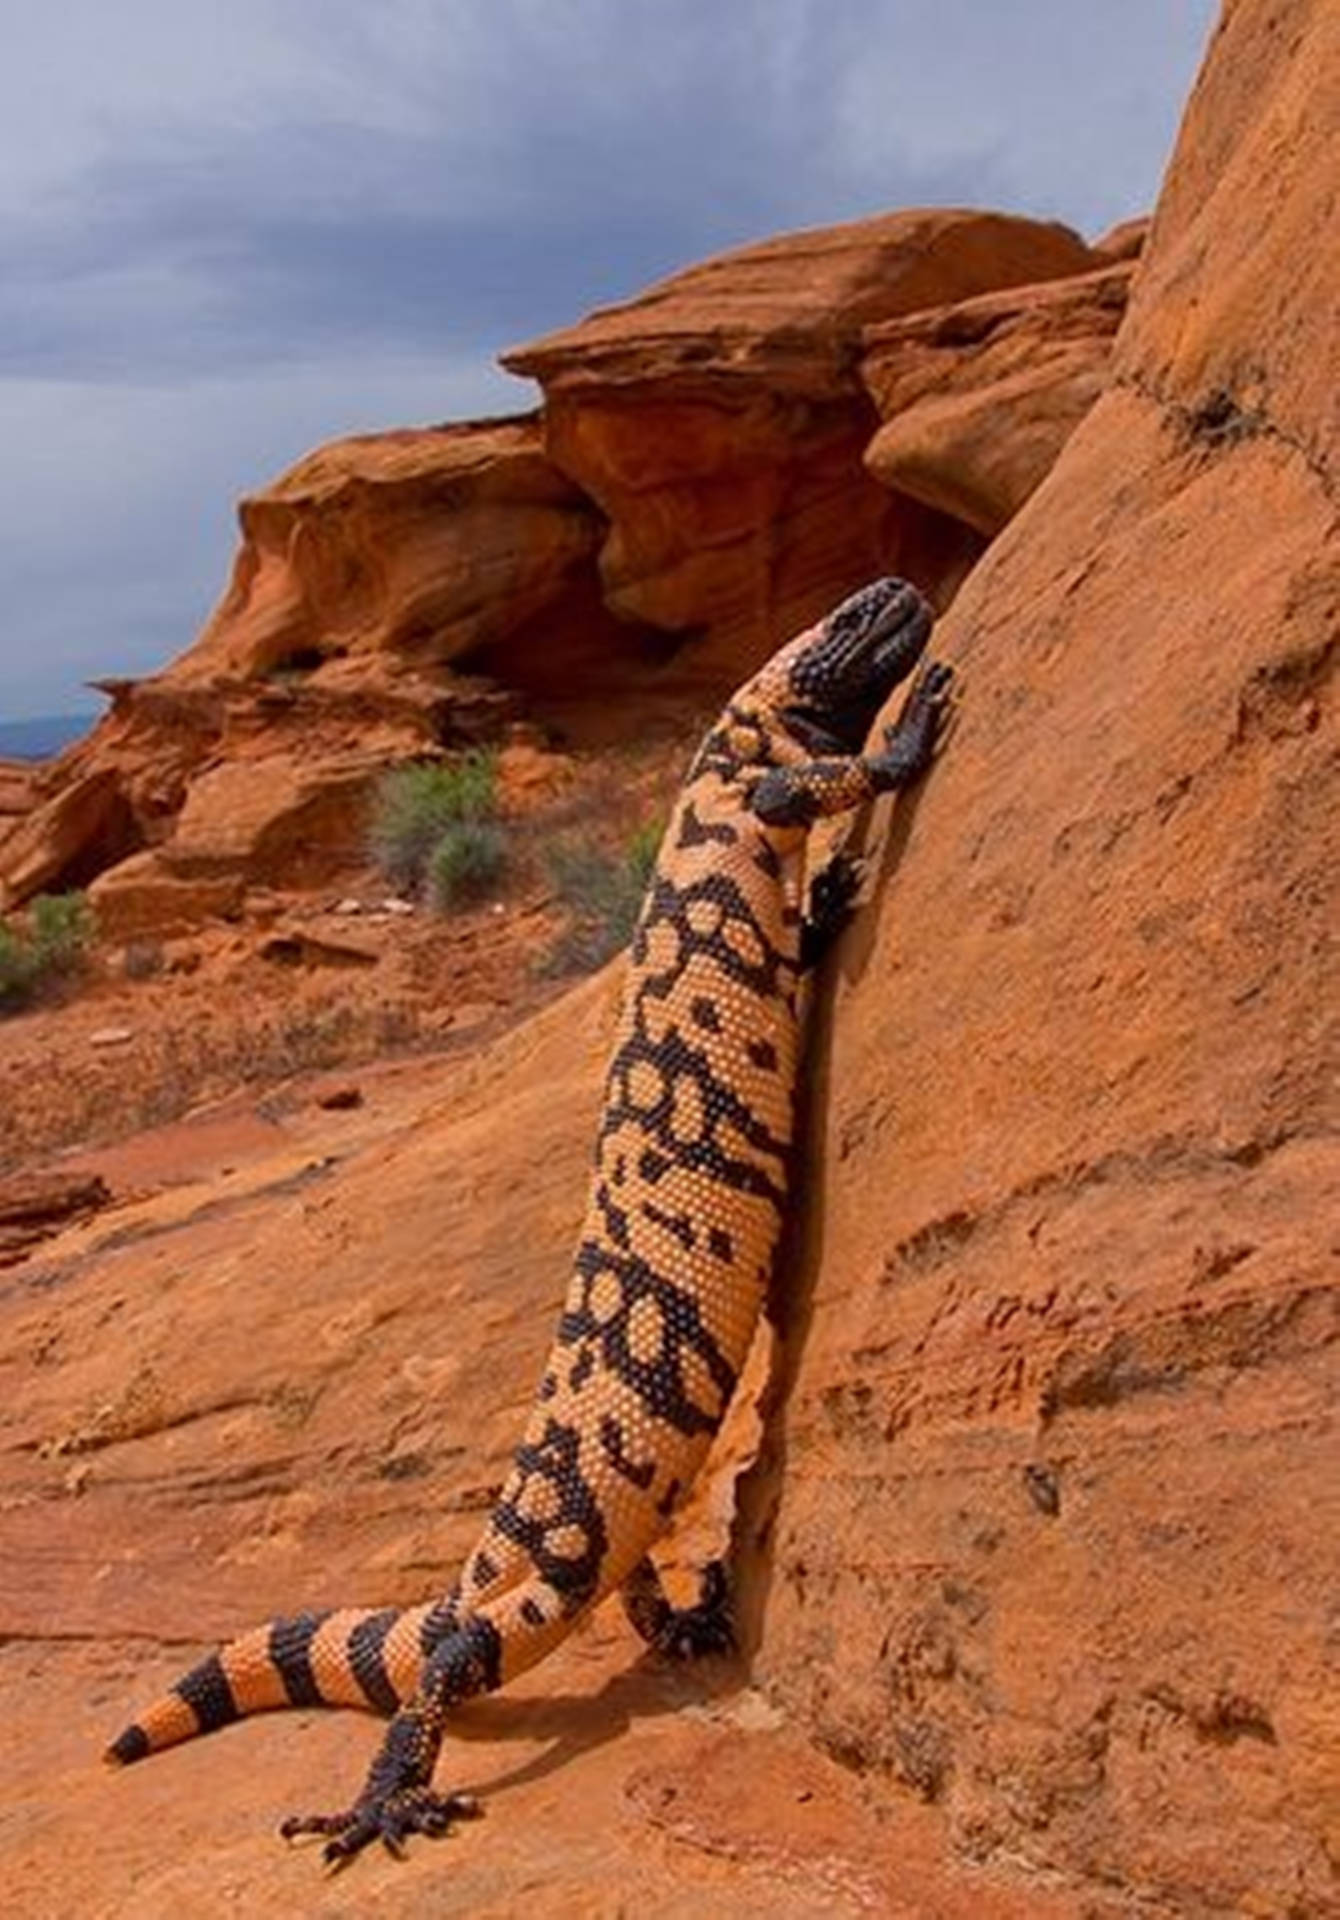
422 543
978 398
275 818
67 839
142 898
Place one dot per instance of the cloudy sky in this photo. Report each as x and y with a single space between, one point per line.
231 229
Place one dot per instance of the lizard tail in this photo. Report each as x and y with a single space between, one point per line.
351 1657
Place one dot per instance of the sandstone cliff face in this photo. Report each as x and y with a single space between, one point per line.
1052 1528
16 791
401 549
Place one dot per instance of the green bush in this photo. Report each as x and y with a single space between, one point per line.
18 968
603 894
62 927
415 806
466 863
52 946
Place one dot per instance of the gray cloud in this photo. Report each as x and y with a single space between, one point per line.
233 229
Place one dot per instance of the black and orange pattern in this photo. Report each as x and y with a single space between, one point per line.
682 1224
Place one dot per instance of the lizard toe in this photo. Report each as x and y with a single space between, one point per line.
389 1817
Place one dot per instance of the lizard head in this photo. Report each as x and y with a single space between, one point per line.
841 677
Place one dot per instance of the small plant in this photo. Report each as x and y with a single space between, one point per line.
640 854
51 947
416 805
603 894
466 862
62 927
17 972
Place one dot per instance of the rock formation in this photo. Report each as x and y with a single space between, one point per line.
395 551
719 421
978 398
16 791
362 574
694 485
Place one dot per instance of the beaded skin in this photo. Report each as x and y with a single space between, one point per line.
676 1249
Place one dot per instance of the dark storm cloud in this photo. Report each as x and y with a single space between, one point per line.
202 247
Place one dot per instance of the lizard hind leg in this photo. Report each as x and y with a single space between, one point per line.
831 903
681 1633
398 1798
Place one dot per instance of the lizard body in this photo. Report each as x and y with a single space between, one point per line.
675 1252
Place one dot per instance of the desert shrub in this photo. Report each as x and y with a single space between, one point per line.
50 947
466 862
18 970
415 805
603 895
62 927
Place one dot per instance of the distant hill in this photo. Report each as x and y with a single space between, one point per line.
36 739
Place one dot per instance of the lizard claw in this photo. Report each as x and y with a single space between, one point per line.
388 1817
707 1627
930 694
832 898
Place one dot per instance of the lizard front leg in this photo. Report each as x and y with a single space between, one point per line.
809 790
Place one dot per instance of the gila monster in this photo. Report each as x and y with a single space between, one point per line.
684 1213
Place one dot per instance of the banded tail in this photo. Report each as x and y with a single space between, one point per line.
348 1657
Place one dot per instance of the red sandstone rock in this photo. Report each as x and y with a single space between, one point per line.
66 840
241 781
1052 1537
17 786
140 897
34 1206
979 398
717 419
1125 241
419 543
363 572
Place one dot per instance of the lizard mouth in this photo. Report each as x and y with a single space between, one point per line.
898 634
871 643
